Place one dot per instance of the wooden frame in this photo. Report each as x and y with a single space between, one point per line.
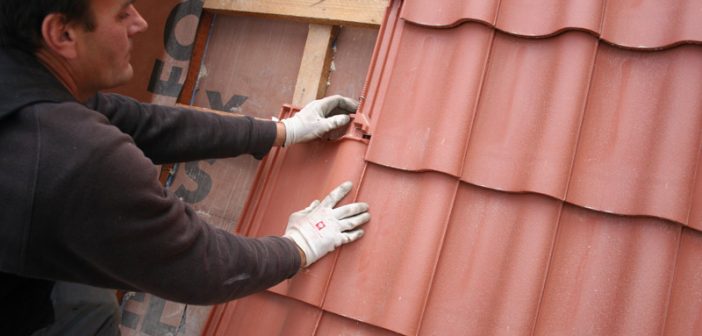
331 12
324 17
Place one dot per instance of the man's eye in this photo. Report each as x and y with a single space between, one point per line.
123 15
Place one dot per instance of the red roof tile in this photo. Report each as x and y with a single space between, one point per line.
641 24
517 185
640 139
530 110
652 23
545 18
491 271
684 316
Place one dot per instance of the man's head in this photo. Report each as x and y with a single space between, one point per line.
21 20
86 43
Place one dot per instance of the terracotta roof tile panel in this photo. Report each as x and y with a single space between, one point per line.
264 313
384 278
430 134
449 13
647 24
548 193
285 191
639 145
332 324
609 275
548 17
684 316
644 24
529 115
490 274
549 106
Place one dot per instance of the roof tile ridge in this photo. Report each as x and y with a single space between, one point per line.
437 257
580 127
668 46
672 281
695 181
547 269
359 185
483 75
629 215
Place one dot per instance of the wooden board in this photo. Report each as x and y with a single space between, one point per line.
332 12
316 62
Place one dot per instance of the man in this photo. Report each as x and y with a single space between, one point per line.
81 203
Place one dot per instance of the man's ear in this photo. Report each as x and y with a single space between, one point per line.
58 35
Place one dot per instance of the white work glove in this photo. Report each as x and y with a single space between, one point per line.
320 228
314 120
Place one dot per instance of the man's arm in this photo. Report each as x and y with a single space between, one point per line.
102 218
174 134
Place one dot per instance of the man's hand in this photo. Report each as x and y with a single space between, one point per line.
320 228
314 120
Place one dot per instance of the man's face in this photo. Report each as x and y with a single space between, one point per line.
104 53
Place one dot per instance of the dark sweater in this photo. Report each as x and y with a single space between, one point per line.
80 198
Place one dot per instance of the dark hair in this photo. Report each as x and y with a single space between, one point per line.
21 20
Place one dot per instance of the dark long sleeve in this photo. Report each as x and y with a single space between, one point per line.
100 217
173 134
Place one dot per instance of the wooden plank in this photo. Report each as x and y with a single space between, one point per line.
315 65
200 45
332 12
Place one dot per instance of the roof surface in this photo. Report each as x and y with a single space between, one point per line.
532 168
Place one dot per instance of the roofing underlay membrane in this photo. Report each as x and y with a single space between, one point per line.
531 167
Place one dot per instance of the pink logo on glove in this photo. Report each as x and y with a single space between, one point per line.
320 225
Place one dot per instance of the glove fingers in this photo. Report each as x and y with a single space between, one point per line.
349 210
311 207
304 212
328 104
335 122
337 194
348 104
351 236
353 222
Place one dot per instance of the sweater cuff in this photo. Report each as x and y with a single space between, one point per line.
266 131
